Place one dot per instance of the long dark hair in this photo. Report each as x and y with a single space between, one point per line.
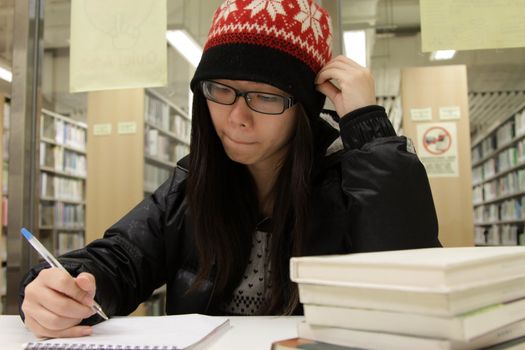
224 209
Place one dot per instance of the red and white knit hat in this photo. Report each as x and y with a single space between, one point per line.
283 43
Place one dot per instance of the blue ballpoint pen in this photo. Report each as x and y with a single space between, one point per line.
51 260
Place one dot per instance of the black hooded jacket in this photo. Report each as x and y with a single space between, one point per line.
371 195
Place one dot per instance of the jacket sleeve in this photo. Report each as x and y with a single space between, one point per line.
386 185
129 261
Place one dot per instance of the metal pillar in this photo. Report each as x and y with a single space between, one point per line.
334 9
24 141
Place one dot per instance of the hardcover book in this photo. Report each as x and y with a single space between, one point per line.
430 301
382 341
464 327
438 268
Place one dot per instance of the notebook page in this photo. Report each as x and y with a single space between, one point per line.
177 331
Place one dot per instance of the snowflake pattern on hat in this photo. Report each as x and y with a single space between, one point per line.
273 7
300 28
224 11
309 17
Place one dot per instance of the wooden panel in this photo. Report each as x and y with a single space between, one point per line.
437 87
2 103
115 164
3 241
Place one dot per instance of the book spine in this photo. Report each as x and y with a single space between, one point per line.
369 340
461 328
378 340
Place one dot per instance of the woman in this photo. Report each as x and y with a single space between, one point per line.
264 182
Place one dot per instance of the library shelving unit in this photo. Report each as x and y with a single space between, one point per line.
4 131
394 111
498 181
63 171
137 136
166 139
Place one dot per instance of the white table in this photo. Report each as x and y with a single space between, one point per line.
254 333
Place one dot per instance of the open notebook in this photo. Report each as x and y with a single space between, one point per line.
148 332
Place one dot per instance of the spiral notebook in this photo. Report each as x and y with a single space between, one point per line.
191 331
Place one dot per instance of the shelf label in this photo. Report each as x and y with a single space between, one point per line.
449 113
421 114
102 129
127 128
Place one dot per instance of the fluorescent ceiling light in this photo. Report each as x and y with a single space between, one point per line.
6 74
442 55
185 44
355 46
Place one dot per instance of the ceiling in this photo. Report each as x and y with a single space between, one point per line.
394 25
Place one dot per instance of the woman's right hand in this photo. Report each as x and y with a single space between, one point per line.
55 303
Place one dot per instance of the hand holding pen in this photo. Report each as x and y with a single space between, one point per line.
55 303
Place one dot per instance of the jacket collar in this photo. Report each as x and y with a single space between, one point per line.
326 133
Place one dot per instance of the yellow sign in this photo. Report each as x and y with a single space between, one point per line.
102 129
472 24
420 114
117 44
127 128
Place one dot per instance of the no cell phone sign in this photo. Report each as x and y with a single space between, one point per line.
437 140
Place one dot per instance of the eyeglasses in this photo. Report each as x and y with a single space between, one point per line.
258 101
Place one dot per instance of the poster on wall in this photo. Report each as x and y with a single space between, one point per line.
438 148
117 44
460 24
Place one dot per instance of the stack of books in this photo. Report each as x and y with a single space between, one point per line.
434 298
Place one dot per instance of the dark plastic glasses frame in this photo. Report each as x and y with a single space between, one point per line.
288 101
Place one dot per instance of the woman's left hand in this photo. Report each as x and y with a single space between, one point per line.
356 85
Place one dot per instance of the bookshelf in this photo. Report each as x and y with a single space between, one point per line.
498 181
4 131
138 137
166 139
63 171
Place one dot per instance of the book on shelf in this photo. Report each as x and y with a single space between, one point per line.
157 112
152 142
63 168
61 214
307 344
63 188
164 148
464 327
5 210
3 245
437 302
46 214
392 341
162 116
154 177
499 182
426 268
68 241
61 130
182 128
